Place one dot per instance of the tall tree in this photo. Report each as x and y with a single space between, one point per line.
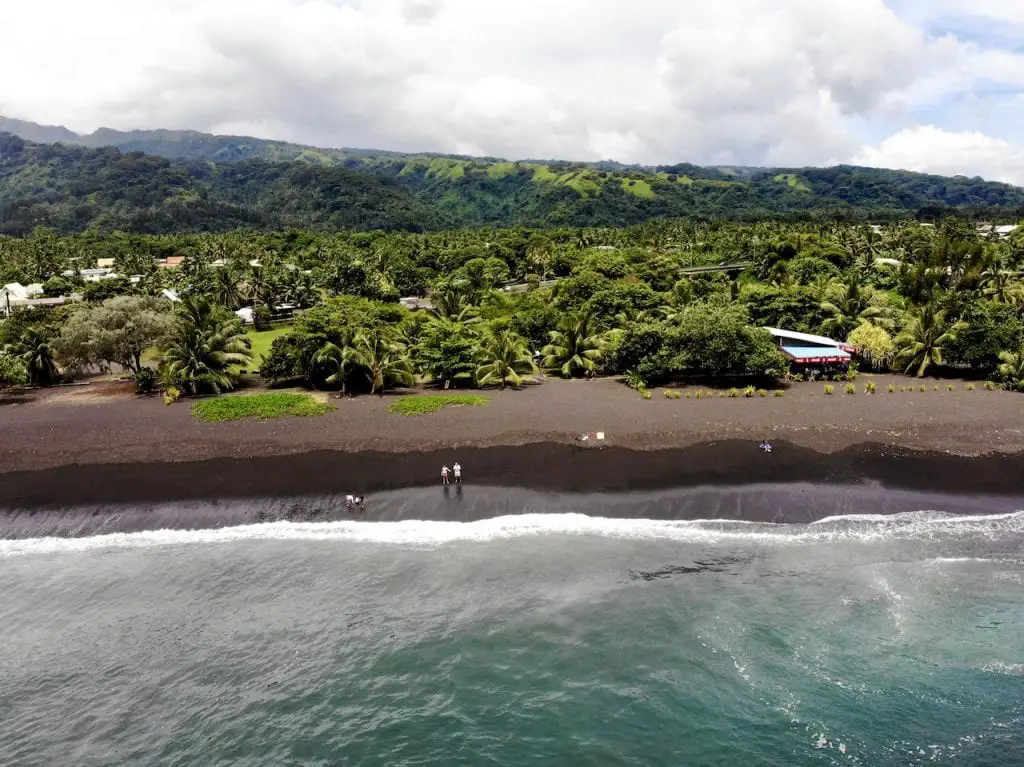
447 351
384 359
204 345
118 331
505 357
575 348
36 352
925 334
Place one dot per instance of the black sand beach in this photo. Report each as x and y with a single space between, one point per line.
725 480
98 459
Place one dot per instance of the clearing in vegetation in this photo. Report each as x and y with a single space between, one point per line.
421 404
235 407
262 339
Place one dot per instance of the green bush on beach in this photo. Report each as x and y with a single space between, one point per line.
421 404
259 406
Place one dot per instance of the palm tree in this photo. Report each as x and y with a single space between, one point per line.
339 358
300 289
849 309
206 342
506 358
574 348
1011 368
226 291
384 359
1002 285
37 355
923 338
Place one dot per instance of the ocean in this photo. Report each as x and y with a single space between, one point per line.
556 638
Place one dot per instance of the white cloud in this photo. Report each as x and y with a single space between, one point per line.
932 150
737 81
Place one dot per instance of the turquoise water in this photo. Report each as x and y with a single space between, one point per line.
537 639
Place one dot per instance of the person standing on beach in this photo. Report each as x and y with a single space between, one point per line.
444 476
457 470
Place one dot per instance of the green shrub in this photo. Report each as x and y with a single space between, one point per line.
950 387
870 387
989 386
171 395
762 393
733 393
235 407
850 388
778 393
645 394
750 391
261 318
145 380
688 395
903 388
421 404
969 387
935 388
829 389
923 388
699 394
892 388
635 381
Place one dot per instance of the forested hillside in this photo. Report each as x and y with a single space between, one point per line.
170 181
71 189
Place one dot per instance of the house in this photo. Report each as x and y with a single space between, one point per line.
1000 231
807 349
13 300
15 290
414 303
97 275
171 262
105 263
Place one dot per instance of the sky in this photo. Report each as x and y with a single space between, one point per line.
926 85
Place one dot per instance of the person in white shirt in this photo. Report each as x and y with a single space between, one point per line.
457 470
444 476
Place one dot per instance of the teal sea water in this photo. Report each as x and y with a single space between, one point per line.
536 639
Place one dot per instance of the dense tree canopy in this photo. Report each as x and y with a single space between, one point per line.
662 300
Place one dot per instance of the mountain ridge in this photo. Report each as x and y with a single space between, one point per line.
198 180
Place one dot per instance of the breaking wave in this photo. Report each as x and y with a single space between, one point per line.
868 527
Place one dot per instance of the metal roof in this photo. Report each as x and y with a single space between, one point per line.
807 338
816 354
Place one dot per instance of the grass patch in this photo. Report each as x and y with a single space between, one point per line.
421 404
235 407
638 188
497 170
543 174
792 181
261 341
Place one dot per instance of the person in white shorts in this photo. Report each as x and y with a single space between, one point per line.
457 470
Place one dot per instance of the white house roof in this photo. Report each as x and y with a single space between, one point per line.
806 338
17 290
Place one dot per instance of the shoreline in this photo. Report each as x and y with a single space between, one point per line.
717 480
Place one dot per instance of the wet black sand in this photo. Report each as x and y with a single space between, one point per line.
728 479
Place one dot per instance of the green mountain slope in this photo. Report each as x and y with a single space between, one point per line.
71 188
275 183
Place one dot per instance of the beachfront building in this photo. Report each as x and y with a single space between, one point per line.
807 351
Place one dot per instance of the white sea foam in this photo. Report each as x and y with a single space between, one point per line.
434 533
